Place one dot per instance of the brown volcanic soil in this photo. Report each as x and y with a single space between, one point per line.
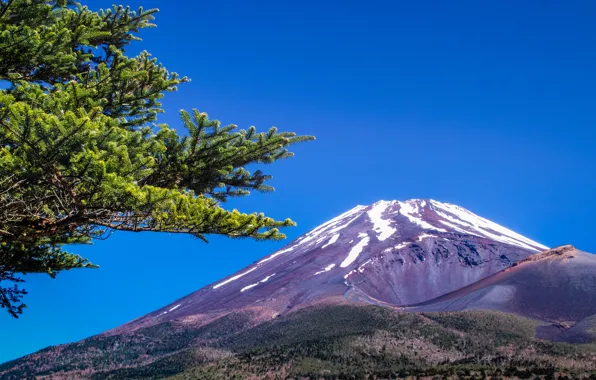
558 285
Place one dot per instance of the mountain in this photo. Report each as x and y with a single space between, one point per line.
387 253
557 285
388 290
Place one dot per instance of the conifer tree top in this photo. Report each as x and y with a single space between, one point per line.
82 153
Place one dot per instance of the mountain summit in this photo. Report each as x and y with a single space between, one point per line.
388 253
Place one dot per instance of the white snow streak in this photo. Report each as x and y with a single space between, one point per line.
354 252
361 267
248 287
397 247
278 253
233 278
327 269
336 229
255 284
349 274
323 228
175 307
424 236
465 221
411 210
453 226
331 241
381 226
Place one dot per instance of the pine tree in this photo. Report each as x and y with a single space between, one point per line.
82 154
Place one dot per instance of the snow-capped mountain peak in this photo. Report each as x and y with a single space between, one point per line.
390 252
424 214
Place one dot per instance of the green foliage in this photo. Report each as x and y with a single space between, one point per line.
81 154
502 327
332 342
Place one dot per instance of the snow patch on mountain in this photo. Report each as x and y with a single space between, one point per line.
248 287
411 209
355 251
321 232
277 254
331 241
349 274
381 226
361 267
341 227
234 278
331 223
402 245
327 269
257 283
424 236
464 221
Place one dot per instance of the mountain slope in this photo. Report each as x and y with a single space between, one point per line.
558 285
325 342
583 331
391 252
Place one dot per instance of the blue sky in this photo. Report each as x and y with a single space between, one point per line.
488 105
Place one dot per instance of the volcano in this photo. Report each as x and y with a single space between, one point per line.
388 253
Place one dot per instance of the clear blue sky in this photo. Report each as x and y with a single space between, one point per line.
486 104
